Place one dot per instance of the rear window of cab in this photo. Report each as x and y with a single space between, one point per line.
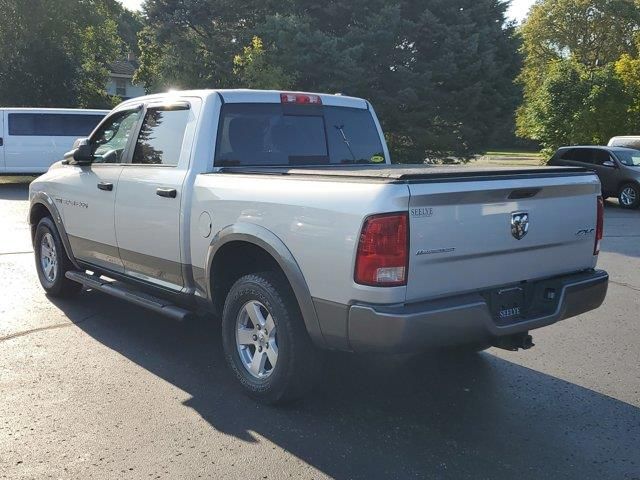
252 134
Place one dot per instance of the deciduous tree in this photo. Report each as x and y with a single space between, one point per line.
56 53
575 52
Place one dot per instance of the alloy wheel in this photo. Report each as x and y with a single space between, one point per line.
256 339
628 196
48 257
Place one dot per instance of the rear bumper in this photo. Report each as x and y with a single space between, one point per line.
467 318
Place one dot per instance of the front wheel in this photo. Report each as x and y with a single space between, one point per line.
265 341
629 196
52 262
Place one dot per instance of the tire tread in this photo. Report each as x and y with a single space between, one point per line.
302 366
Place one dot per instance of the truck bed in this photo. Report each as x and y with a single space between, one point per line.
460 219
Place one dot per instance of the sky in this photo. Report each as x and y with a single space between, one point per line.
131 4
518 9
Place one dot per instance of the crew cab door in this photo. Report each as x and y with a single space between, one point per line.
606 168
148 220
89 193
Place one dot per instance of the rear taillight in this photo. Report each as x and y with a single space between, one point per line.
300 99
383 251
599 226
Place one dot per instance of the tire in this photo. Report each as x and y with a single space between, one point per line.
52 262
629 196
266 299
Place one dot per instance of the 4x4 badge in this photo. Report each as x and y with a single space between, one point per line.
519 224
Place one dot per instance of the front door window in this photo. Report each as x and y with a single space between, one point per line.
110 141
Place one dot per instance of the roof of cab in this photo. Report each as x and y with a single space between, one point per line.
603 147
251 96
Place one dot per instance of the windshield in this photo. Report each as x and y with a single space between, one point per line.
630 158
276 134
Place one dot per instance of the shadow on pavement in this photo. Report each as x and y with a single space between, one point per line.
473 416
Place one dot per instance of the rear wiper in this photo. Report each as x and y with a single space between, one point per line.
340 128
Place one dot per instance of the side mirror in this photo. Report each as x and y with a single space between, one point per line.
609 163
81 153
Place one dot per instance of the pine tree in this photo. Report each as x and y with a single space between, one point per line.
440 73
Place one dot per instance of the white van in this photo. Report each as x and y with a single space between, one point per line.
628 141
32 139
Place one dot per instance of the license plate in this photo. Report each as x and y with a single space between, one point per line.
507 304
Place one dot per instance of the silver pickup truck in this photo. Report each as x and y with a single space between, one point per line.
281 214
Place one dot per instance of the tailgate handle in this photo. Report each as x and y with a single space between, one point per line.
523 193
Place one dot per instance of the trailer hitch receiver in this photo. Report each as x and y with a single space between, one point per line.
514 342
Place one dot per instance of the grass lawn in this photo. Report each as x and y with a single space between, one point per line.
508 153
508 159
4 180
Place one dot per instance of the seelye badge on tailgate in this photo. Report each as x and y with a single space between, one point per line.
421 212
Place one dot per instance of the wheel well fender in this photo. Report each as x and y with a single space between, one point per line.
42 205
627 181
245 248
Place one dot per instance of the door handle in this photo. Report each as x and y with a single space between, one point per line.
1 142
105 186
167 192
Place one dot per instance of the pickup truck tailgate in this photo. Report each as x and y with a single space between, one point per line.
461 230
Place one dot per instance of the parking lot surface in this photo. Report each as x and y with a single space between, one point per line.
97 388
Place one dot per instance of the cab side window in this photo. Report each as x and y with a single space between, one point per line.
567 154
582 155
161 136
110 141
601 156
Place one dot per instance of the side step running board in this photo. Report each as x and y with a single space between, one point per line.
124 292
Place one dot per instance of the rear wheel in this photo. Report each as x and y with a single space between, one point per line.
52 262
629 196
265 341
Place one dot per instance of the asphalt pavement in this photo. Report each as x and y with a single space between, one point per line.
97 388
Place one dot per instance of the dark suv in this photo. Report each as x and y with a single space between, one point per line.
617 167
